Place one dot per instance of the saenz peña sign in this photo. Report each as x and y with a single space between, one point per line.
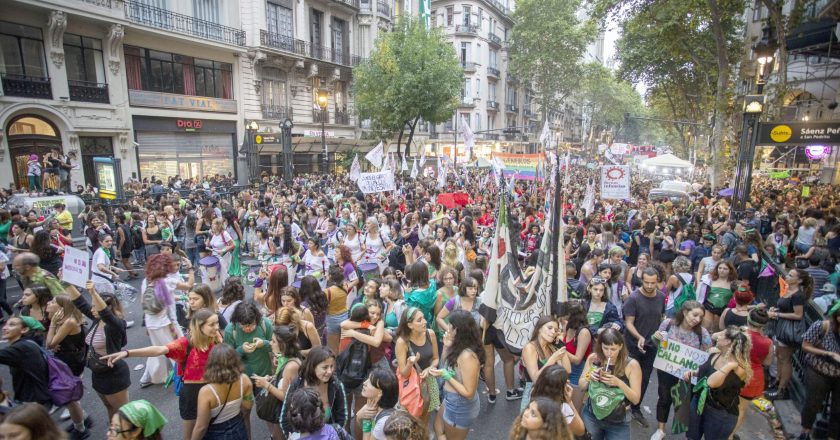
798 133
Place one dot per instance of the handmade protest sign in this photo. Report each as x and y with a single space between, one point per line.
676 358
76 267
376 182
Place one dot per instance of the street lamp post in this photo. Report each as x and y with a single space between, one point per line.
287 149
323 98
252 161
753 107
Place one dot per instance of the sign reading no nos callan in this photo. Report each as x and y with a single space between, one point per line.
798 133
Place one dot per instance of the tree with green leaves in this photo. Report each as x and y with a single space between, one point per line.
606 99
547 47
413 75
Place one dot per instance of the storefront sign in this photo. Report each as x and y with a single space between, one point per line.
317 133
676 359
142 98
189 124
376 182
615 182
817 152
798 133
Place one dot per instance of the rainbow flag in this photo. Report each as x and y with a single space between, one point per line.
522 166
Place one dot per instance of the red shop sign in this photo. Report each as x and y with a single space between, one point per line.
188 123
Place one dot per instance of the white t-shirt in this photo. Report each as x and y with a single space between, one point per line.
99 257
219 242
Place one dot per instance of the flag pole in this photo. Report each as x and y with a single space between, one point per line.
558 308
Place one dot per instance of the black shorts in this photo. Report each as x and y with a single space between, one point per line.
113 381
710 308
492 336
188 400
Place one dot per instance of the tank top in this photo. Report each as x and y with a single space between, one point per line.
541 359
303 340
226 411
424 352
760 348
571 348
732 318
726 396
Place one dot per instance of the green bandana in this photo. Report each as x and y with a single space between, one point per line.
144 415
281 362
702 387
32 323
833 308
107 252
44 278
604 399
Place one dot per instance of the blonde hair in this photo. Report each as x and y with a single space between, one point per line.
740 348
288 316
450 254
197 338
218 225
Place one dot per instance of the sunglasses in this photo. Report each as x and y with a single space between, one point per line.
597 280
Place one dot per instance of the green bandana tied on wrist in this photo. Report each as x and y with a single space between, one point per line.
144 415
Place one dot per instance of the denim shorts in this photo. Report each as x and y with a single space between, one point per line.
458 411
334 322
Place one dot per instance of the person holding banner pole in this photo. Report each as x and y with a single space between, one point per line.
686 329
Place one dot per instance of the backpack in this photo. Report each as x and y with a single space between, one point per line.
64 386
129 238
353 365
151 305
687 294
136 235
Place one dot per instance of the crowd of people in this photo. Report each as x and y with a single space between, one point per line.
326 313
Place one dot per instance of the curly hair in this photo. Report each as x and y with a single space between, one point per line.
467 337
232 292
403 426
554 424
157 266
739 348
344 252
223 365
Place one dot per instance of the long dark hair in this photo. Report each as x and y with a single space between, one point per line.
551 383
577 316
316 356
467 337
287 239
311 293
679 317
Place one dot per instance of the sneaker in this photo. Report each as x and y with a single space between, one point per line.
777 395
65 414
491 398
129 324
513 394
657 435
639 417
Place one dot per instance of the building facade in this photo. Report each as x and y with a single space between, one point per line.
154 83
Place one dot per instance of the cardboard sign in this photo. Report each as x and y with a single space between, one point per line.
76 267
676 358
376 182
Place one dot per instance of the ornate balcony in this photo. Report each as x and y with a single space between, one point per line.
492 105
511 108
512 79
281 42
492 71
468 66
494 39
151 16
466 29
383 10
467 101
26 86
342 117
88 91
349 3
276 112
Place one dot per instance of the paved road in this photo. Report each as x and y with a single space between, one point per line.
494 421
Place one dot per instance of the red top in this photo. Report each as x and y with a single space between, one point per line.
760 348
571 345
196 363
486 219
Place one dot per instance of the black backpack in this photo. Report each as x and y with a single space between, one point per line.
136 235
353 365
128 237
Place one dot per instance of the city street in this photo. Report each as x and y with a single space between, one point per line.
494 421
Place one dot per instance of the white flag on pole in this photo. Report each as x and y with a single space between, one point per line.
567 177
414 171
404 164
545 136
442 176
355 169
469 137
376 155
386 163
423 156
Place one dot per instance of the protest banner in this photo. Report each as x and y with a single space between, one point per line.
523 166
676 358
615 182
376 182
76 267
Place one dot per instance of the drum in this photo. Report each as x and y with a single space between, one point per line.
211 272
251 269
370 271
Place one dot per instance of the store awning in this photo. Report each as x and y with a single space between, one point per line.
310 145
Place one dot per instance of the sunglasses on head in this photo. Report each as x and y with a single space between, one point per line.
598 280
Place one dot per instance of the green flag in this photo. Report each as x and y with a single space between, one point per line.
780 175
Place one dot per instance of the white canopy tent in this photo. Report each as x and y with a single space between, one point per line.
668 161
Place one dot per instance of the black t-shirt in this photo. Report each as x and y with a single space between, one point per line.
786 304
648 313
747 271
